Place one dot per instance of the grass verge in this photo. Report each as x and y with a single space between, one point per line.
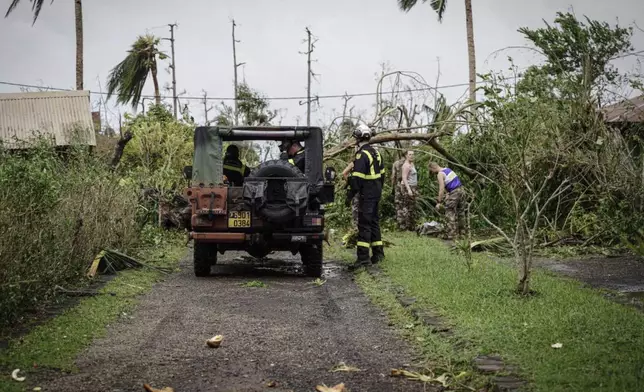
56 343
602 341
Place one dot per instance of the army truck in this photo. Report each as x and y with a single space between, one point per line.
278 208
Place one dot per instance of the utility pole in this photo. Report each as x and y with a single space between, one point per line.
309 74
174 69
235 66
206 109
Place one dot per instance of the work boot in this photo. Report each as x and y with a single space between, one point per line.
359 264
378 254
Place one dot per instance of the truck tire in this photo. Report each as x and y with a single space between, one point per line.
205 256
276 210
312 255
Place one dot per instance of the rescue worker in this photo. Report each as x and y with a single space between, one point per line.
234 170
408 190
448 182
366 180
295 153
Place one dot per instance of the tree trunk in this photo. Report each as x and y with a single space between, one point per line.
78 7
157 93
118 149
470 49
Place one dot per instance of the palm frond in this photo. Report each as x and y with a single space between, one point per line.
127 79
439 6
36 6
406 5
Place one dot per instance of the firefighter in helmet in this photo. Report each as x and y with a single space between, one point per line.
366 180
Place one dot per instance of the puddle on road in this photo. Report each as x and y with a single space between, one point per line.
268 266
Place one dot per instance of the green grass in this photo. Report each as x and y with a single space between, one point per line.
603 342
56 343
254 283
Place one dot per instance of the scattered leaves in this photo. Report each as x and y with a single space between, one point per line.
414 376
318 282
342 367
338 388
215 341
148 388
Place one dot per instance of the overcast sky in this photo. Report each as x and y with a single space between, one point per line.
355 37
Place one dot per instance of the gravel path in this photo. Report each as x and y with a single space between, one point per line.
290 332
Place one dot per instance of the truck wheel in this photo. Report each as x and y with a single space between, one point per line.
205 256
312 256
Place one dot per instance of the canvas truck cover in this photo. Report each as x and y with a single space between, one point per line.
207 165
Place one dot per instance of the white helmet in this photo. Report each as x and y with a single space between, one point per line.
362 131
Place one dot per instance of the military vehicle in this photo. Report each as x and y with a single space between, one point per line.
277 208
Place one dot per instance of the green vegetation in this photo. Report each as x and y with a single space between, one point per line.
602 341
254 283
57 214
56 343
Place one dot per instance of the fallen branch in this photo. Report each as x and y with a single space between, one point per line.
385 138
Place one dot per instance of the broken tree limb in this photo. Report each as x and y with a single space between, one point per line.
439 149
385 138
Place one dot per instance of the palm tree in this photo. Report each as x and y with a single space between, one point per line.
439 6
36 6
128 77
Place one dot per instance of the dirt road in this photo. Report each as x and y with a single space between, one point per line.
291 332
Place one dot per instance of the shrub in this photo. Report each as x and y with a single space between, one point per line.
57 214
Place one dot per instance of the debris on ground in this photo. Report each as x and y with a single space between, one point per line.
429 228
110 261
14 375
254 283
215 341
270 384
414 376
496 243
556 345
148 388
338 388
342 367
318 282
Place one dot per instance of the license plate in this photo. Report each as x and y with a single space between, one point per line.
238 219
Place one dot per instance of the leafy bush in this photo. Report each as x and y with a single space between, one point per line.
57 213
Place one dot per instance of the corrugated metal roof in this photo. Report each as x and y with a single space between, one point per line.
64 116
631 110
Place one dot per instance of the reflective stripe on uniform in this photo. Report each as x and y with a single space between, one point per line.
363 244
377 243
372 168
291 160
235 168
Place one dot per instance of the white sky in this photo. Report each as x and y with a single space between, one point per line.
355 37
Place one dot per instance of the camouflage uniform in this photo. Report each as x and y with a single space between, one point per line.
455 212
354 210
406 211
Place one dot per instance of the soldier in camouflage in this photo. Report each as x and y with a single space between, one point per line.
448 182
